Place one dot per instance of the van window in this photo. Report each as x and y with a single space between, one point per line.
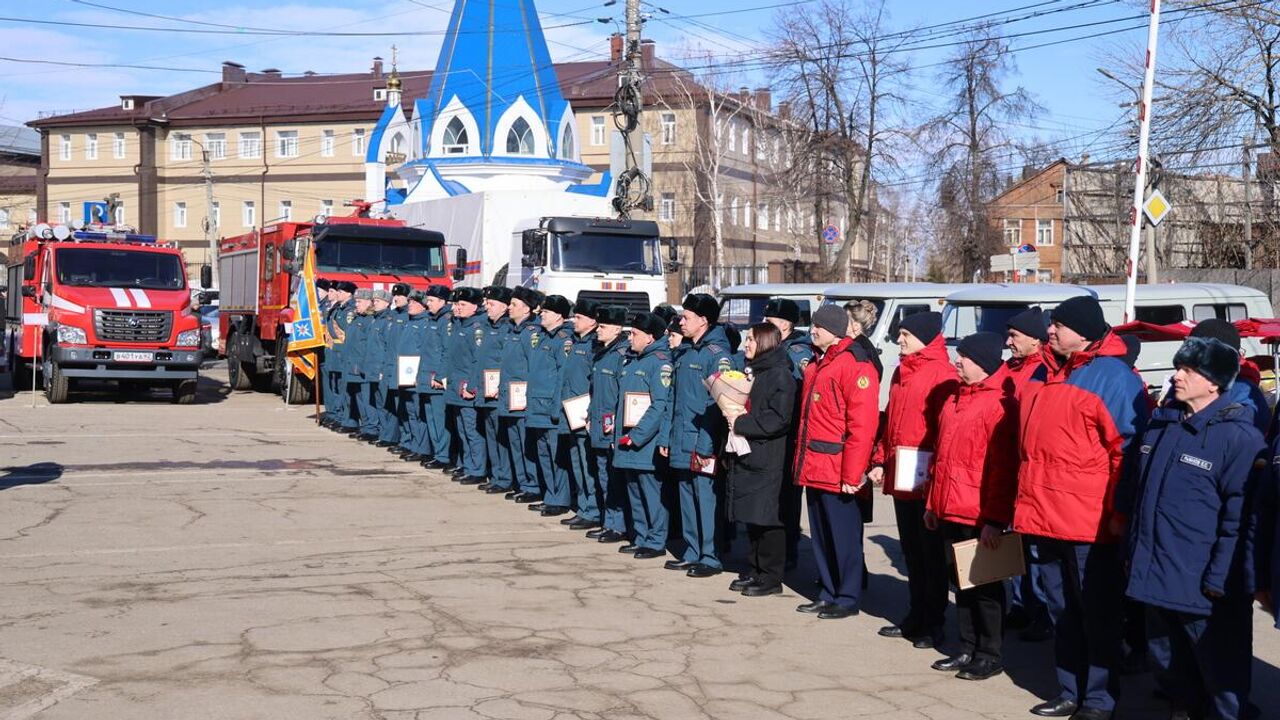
1160 314
959 321
742 313
1230 312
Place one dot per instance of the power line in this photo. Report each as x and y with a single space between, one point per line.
274 33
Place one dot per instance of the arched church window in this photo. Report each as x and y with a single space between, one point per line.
566 143
397 143
455 138
520 138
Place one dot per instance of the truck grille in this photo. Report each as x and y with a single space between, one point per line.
634 302
132 325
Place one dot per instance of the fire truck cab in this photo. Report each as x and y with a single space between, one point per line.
99 303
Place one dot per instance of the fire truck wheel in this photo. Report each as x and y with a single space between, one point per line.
57 387
19 372
184 392
237 377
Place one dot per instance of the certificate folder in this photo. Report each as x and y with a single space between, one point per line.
977 564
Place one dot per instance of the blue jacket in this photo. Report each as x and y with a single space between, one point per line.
549 352
606 368
799 347
646 372
394 320
575 374
696 422
359 335
465 336
433 351
515 363
339 319
1265 537
489 355
1246 393
1186 504
374 362
409 343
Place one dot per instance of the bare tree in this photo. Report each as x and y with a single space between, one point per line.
965 140
842 71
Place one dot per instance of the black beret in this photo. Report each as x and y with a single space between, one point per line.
468 294
586 307
345 286
611 315
666 312
499 293
439 291
784 309
558 304
702 304
528 296
401 289
649 324
324 283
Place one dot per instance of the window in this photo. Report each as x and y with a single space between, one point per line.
250 144
746 141
1060 195
455 138
566 143
326 143
179 214
117 146
1044 276
248 214
597 130
180 147
1160 314
520 138
733 211
286 143
120 219
215 214
1012 233
91 146
1044 232
64 147
216 145
286 210
746 213
64 212
733 136
1230 312
4 218
326 208
668 128
667 207
397 145
762 220
357 142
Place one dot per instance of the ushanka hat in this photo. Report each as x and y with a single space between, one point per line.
345 286
530 297
558 304
611 315
468 294
1210 357
702 304
783 309
499 293
649 324
439 291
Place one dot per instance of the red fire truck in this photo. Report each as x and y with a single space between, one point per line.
260 271
99 303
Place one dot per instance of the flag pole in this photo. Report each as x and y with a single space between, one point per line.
315 383
1140 169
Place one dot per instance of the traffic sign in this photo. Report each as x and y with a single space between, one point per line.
1008 263
1156 207
830 234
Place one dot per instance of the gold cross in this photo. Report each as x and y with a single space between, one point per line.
393 57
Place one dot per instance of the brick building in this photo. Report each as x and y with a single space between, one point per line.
1030 212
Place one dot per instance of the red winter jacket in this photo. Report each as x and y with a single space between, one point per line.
1022 372
921 384
839 410
1073 434
975 467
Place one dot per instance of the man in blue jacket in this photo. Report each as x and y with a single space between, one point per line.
357 331
513 398
464 385
373 363
1186 505
1265 542
606 367
575 381
497 326
550 349
646 379
341 313
1244 391
432 369
412 404
392 418
697 434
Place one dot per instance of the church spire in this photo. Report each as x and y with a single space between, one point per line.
393 82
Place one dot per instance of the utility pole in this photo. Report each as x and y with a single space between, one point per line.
210 229
1248 206
632 186
1140 169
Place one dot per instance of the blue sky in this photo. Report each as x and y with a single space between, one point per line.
1079 104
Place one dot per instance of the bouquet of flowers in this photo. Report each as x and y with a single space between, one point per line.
730 390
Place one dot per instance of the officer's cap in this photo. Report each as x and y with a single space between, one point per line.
401 289
558 304
586 307
468 294
345 286
649 324
611 315
324 284
702 304
783 309
364 294
381 295
499 293
528 296
438 291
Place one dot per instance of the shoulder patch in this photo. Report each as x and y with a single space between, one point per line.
804 363
715 348
568 347
664 375
864 382
535 339
724 365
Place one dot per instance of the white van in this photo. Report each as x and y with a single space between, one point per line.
743 305
893 301
989 307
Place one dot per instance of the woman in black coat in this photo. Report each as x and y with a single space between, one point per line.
754 479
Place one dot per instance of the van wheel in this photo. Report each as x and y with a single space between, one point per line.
57 387
184 392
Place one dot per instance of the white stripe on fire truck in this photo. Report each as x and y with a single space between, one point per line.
140 297
122 300
64 304
35 319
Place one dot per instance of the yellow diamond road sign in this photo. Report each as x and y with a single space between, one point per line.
1156 207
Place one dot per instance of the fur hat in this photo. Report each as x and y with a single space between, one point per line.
985 349
382 295
783 309
364 294
418 296
1031 322
925 326
649 324
1082 314
345 286
499 293
1210 357
832 319
704 305
401 289
468 294
666 312
611 315
1218 330
586 307
558 304
529 297
439 291
324 284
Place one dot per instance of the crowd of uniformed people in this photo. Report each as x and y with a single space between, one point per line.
1149 525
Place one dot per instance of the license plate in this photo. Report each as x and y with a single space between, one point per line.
123 356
